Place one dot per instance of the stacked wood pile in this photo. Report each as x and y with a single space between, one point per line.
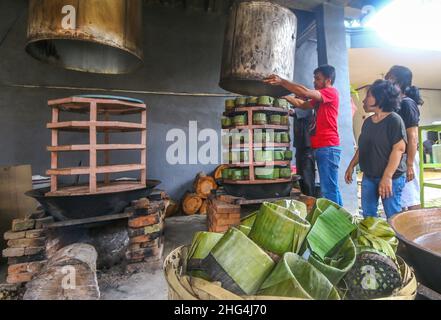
222 214
146 233
195 201
69 275
26 247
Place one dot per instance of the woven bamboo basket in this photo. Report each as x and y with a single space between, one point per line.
183 287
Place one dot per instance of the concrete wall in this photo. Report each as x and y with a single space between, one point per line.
182 54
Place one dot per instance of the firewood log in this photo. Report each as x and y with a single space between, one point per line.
218 172
203 208
172 209
69 275
203 185
191 203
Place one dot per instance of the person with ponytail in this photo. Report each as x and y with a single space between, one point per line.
410 113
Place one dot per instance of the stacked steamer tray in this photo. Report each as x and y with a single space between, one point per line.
99 110
256 147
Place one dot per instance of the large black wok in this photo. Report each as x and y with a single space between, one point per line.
87 206
420 231
260 191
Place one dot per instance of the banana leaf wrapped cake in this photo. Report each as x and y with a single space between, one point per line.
282 251
280 229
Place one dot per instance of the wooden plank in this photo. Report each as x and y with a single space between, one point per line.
54 155
144 142
92 143
272 163
256 181
106 152
260 164
99 147
86 101
102 109
243 201
257 108
263 127
262 145
117 126
99 169
84 221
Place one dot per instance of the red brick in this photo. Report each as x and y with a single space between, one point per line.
10 235
135 232
19 277
31 267
145 238
142 245
227 198
33 250
36 233
223 207
13 252
221 221
141 203
26 243
144 221
220 229
22 224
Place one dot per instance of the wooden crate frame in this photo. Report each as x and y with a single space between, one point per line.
250 145
95 107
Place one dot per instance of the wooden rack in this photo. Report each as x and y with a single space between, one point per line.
250 145
96 107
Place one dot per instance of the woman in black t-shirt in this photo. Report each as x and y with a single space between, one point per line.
410 113
382 144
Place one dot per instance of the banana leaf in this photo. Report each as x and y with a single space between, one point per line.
336 267
321 205
379 228
278 229
295 277
248 221
377 244
202 244
295 206
239 264
330 231
245 229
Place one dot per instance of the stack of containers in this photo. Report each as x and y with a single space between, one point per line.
256 141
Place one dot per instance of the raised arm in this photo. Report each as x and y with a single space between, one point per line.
299 103
297 89
385 187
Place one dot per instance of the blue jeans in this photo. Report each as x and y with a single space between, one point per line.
328 161
370 195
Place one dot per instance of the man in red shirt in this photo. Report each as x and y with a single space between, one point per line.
325 139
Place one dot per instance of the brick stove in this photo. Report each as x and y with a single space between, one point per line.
133 239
